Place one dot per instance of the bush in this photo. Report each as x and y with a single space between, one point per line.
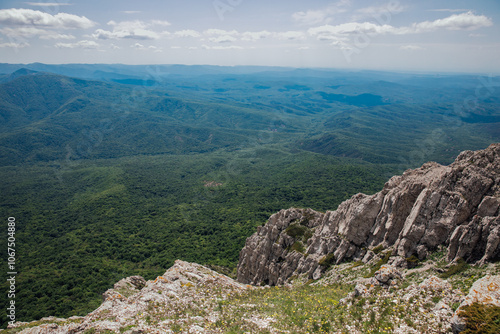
412 261
298 247
458 267
296 230
327 260
378 249
379 264
481 318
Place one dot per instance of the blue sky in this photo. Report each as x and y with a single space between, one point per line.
443 36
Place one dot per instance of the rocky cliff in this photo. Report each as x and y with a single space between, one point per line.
456 206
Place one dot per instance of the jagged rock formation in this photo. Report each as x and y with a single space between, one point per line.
137 306
456 206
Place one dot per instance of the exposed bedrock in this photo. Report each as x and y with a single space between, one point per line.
456 206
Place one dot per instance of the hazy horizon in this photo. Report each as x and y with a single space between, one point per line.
443 36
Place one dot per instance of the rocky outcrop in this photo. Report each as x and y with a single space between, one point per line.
456 206
484 291
137 306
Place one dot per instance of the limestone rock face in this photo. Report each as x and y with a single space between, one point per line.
456 206
135 305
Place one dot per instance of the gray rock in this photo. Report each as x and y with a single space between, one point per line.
484 291
386 274
415 213
488 207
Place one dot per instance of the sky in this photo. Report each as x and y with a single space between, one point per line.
402 35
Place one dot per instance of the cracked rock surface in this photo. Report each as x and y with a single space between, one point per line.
456 206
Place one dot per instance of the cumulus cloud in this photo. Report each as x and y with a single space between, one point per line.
85 44
218 47
451 10
161 23
464 21
24 17
255 36
290 35
342 32
222 39
320 16
139 46
47 4
128 30
187 33
27 32
215 32
390 8
14 45
411 47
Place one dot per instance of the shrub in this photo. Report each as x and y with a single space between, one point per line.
327 260
298 247
296 230
412 261
378 249
458 267
481 318
379 264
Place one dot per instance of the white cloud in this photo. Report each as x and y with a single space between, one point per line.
255 36
131 11
85 44
411 47
222 39
321 16
27 32
290 35
161 23
138 46
448 10
215 32
14 45
187 33
311 17
304 48
23 17
47 4
218 47
128 30
464 21
342 32
390 8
